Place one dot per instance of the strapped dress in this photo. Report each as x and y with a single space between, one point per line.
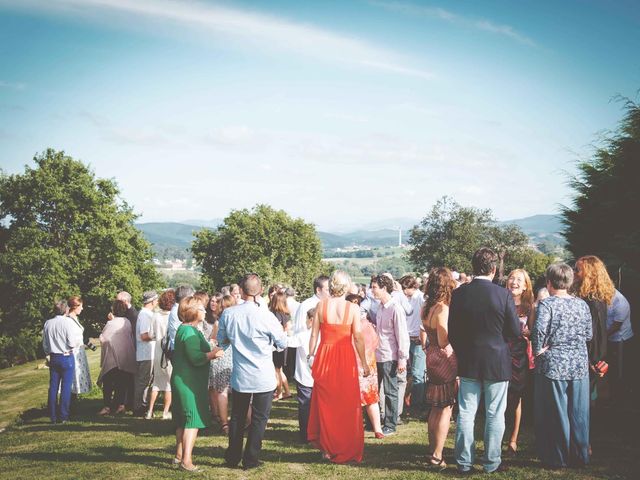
335 420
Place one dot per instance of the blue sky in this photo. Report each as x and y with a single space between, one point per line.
342 112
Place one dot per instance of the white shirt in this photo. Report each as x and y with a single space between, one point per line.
144 350
414 322
300 320
619 311
292 305
300 341
60 335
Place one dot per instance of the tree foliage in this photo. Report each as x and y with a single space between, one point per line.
262 240
64 232
450 234
602 220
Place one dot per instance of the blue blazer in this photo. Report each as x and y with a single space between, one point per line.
482 318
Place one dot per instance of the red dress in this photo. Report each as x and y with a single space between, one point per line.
335 419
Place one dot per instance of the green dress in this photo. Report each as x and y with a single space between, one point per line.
190 379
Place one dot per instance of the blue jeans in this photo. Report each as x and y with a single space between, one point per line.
562 421
61 370
418 361
495 400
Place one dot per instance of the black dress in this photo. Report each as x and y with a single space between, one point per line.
279 357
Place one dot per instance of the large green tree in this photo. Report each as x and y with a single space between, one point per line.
603 219
450 234
65 232
262 240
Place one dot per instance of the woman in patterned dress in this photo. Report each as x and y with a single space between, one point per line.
220 372
369 395
82 377
519 284
442 364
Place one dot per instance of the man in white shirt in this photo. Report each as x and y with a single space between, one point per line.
393 347
145 346
58 341
321 291
304 380
417 358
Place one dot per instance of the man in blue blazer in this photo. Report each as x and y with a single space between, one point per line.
482 316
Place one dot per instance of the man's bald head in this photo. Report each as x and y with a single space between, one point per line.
251 285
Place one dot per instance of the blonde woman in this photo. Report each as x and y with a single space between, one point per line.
335 420
519 284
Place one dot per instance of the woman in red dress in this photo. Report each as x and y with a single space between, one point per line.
335 419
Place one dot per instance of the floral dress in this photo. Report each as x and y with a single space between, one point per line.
368 385
81 378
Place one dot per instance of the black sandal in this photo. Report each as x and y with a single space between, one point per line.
437 463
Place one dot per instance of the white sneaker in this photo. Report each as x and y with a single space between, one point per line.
167 416
149 415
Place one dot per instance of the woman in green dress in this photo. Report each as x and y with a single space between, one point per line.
189 380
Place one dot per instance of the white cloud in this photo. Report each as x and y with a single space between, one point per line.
442 14
261 31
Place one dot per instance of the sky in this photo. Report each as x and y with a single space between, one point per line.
340 112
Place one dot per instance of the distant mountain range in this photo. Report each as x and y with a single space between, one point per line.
174 235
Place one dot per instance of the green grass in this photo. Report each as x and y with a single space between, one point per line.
131 448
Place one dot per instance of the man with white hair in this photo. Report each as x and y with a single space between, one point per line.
58 341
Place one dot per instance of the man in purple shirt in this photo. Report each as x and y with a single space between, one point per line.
393 348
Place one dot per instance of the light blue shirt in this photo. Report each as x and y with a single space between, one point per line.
252 331
173 323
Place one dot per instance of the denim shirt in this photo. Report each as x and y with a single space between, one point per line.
252 332
564 326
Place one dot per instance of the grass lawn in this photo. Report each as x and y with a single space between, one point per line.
128 448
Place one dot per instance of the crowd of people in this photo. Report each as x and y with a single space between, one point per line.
391 350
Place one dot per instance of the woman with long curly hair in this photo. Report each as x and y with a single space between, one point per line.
442 364
519 284
593 284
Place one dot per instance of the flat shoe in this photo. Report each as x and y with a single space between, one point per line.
193 468
176 461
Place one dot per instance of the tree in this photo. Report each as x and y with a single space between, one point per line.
262 240
450 234
601 220
64 232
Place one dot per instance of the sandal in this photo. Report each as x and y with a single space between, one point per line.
284 397
437 463
121 409
176 461
225 428
192 468
104 411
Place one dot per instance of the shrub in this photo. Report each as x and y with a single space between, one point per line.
20 348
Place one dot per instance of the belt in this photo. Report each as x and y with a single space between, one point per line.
65 354
415 340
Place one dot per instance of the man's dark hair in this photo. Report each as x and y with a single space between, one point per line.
409 281
484 261
318 281
383 281
183 291
61 307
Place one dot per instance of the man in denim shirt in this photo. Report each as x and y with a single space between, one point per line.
252 332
